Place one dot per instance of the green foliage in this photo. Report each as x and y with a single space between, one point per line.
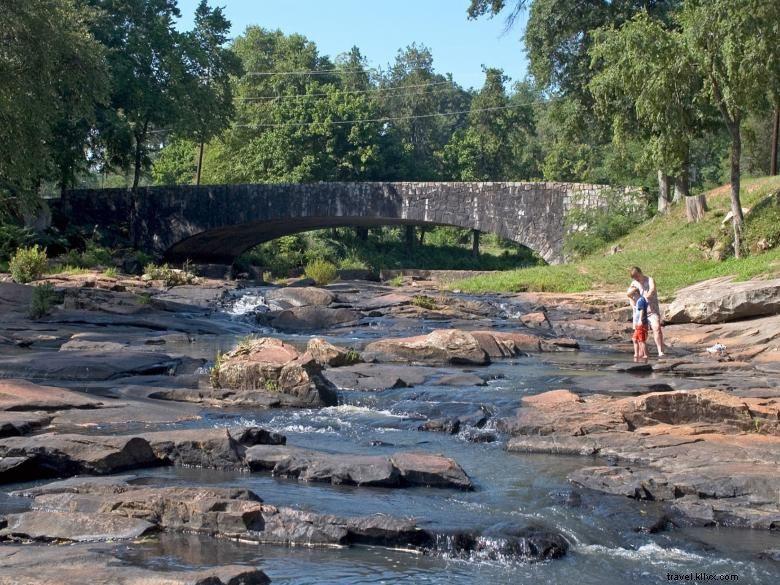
176 164
28 264
69 270
12 237
92 256
271 385
214 371
590 230
424 302
44 112
168 275
396 281
321 271
43 297
111 272
762 225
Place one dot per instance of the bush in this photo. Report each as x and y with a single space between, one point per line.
321 271
169 276
43 297
28 264
424 302
591 229
12 237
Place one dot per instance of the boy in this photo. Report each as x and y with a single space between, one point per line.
641 322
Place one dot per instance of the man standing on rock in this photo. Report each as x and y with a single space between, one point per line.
646 287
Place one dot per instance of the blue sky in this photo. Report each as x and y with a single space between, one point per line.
381 27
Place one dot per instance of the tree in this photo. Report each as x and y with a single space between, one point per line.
733 44
650 90
207 106
52 78
300 127
491 147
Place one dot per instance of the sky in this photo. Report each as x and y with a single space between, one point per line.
379 28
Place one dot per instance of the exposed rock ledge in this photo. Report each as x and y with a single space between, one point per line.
712 456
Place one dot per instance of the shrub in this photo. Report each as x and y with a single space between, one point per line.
321 271
12 237
43 297
28 264
110 272
214 371
169 276
397 280
424 302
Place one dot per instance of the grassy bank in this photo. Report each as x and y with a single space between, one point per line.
667 247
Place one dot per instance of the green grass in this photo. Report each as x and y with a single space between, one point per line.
69 270
666 247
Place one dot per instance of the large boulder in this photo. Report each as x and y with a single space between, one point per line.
398 470
274 367
312 318
453 346
721 299
21 395
73 526
327 354
77 366
302 296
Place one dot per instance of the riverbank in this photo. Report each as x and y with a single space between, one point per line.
443 405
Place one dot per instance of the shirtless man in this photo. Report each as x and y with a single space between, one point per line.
646 287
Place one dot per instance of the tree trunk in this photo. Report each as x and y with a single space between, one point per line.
200 164
410 236
736 204
775 131
695 206
140 137
475 243
663 192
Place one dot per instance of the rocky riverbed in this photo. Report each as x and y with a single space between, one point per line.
357 433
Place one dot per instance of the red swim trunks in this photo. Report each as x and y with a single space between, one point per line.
640 333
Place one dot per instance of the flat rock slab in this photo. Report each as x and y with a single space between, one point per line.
312 318
398 470
73 526
721 299
13 424
86 365
21 395
378 376
81 564
302 296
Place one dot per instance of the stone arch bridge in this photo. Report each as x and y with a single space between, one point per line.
216 223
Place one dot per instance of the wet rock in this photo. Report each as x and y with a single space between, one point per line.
302 296
86 365
225 512
312 318
451 426
72 526
272 366
453 346
21 395
430 470
13 424
399 470
694 449
536 319
460 380
503 542
378 376
53 455
721 299
327 354
209 448
442 346
93 564
384 301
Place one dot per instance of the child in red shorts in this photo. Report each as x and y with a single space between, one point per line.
641 323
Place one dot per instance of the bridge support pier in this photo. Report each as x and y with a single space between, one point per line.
475 243
410 236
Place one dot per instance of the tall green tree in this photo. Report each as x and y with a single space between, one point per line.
207 106
494 144
53 76
733 43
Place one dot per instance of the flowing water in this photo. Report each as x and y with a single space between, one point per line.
607 543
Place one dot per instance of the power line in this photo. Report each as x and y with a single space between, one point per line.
382 120
308 72
355 91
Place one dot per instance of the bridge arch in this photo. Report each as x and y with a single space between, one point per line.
216 223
